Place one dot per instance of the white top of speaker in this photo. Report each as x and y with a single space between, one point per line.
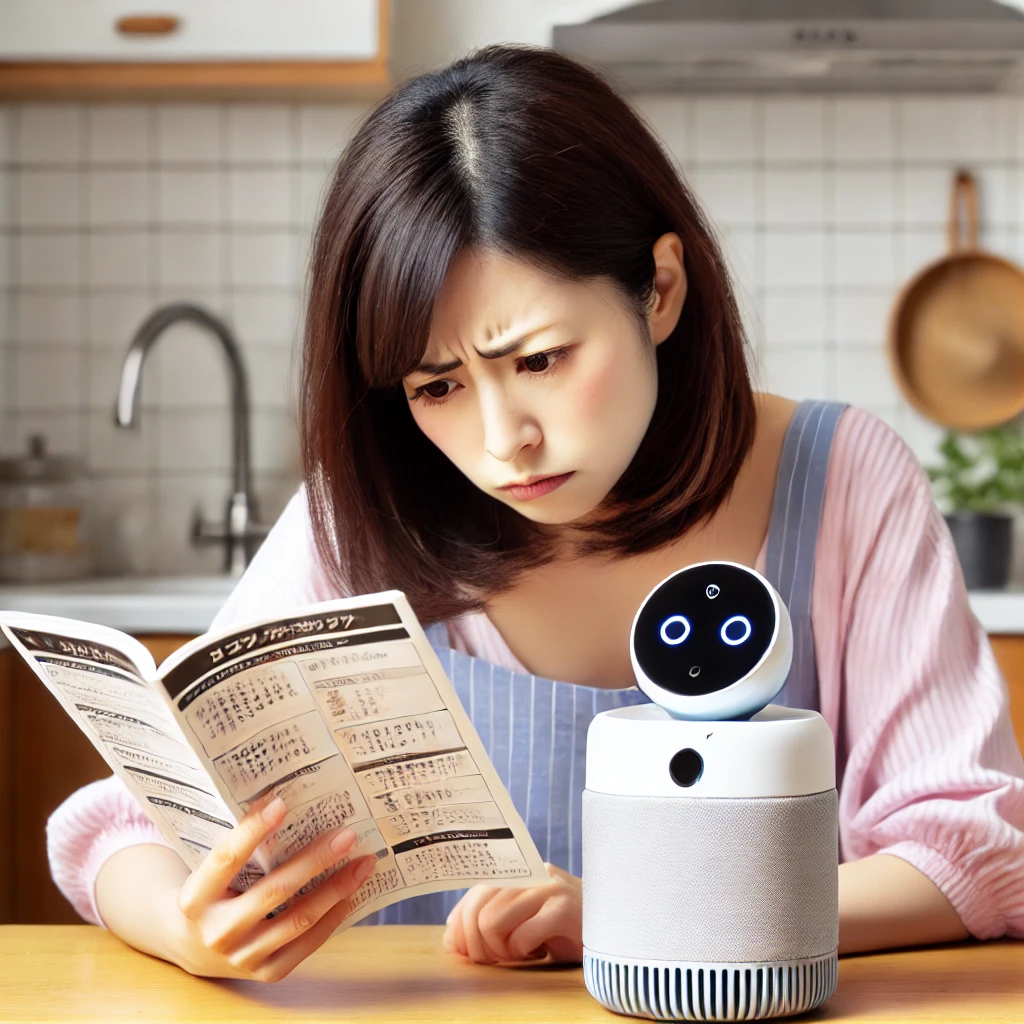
779 752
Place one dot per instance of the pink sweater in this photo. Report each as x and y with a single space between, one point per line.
929 767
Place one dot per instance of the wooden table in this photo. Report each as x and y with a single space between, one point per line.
400 973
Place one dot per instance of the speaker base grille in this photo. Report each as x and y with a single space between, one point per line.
671 990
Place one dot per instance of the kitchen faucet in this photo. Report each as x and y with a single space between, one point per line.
240 532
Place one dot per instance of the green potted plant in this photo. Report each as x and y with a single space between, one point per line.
979 485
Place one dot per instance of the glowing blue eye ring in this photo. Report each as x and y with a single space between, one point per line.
728 623
670 621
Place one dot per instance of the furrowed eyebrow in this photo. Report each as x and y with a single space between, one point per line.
434 369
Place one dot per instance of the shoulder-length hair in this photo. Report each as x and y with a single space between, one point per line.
526 152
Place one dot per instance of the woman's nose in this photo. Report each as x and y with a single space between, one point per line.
508 428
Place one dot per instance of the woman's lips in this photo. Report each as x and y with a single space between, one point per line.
524 492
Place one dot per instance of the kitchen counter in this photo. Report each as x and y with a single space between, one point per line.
400 973
999 611
187 604
135 604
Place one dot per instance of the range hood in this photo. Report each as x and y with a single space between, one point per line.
805 45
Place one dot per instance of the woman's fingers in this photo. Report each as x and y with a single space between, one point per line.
538 929
210 881
280 964
501 917
477 947
454 939
490 916
304 915
275 889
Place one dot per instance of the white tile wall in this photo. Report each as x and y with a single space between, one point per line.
118 199
824 205
118 135
189 134
796 130
828 205
45 134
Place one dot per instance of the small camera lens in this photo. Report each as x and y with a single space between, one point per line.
686 767
712 591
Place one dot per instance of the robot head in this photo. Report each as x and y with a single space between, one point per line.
712 641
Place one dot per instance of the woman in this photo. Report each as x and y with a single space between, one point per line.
525 402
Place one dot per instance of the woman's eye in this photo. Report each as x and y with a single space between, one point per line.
537 364
540 362
437 392
436 389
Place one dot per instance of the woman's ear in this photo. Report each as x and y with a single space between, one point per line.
669 287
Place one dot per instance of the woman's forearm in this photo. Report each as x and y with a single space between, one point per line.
885 902
137 896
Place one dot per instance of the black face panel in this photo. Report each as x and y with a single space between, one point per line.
691 643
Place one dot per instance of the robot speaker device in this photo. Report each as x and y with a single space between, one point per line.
710 845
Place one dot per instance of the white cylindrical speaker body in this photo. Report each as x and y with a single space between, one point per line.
710 864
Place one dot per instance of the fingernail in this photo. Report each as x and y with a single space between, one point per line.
365 869
273 810
342 841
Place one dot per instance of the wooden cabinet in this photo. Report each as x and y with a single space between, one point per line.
44 758
1009 652
194 48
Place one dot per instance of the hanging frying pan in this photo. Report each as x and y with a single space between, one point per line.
956 338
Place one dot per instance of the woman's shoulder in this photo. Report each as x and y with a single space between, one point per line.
875 485
870 463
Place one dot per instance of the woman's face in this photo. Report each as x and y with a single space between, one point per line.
538 389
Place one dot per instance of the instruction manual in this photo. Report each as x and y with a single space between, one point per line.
342 709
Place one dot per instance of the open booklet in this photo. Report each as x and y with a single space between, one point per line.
342 709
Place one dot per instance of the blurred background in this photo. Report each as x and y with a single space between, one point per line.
118 194
175 153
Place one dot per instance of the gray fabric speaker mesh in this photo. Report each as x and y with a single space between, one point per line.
677 878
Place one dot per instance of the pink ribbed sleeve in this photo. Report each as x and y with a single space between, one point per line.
930 768
88 828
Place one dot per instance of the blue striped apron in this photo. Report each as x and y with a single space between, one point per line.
535 730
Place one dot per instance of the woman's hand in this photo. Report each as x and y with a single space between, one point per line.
490 925
223 934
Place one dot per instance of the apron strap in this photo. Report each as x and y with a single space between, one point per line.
793 536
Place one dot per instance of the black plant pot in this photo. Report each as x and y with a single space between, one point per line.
984 544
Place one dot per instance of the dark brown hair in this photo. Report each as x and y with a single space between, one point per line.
526 152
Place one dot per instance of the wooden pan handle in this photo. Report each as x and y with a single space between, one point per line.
147 24
963 213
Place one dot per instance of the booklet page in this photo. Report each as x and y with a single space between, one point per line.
99 677
345 712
